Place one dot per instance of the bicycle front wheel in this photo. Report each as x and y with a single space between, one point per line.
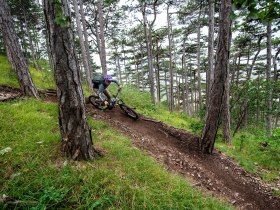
129 112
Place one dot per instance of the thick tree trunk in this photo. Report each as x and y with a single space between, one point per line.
210 70
75 132
102 38
15 57
218 88
85 59
268 80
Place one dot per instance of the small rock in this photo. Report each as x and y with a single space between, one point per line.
15 175
6 150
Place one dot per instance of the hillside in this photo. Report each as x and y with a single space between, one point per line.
176 161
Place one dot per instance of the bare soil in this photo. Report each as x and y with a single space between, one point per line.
9 93
178 151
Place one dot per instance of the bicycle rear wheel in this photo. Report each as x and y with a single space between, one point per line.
94 101
129 112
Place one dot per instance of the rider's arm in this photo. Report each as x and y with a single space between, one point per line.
116 81
100 92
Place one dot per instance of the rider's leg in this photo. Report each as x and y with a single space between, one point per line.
107 94
95 90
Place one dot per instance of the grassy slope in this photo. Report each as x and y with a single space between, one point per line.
36 173
42 79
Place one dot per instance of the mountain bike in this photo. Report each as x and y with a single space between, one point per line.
113 103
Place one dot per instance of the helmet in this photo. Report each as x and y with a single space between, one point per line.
108 78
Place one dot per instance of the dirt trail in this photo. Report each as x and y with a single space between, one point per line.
178 151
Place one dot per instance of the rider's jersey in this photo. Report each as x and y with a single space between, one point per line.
99 83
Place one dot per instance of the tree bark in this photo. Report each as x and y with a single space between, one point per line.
33 54
191 90
210 71
218 88
171 101
198 62
268 80
15 57
102 38
249 71
148 38
158 74
83 48
75 132
86 40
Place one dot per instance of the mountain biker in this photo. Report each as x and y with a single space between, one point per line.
101 83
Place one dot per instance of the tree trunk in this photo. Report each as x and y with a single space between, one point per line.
198 63
166 87
226 101
83 48
186 85
171 102
75 132
124 64
249 71
268 80
178 91
102 38
35 63
210 71
86 40
191 90
218 87
158 74
148 39
15 57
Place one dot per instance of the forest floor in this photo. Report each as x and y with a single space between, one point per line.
178 151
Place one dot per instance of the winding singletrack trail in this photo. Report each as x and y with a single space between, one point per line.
178 151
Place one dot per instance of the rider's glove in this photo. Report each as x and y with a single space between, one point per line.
106 103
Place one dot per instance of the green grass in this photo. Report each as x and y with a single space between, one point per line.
7 74
35 173
42 79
